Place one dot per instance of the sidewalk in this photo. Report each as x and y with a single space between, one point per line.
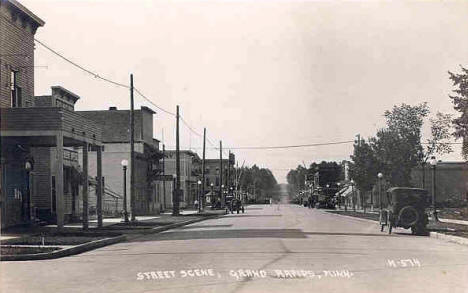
376 211
46 242
113 223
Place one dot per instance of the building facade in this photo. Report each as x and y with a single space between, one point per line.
212 184
116 148
27 129
190 174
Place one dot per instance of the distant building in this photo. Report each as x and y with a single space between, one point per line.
190 173
212 167
451 181
116 147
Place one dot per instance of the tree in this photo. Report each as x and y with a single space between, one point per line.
259 179
364 167
398 147
438 143
460 104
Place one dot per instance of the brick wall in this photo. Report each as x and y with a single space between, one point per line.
451 182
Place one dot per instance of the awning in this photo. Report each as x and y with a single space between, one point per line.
345 191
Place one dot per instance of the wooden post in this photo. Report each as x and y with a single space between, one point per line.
59 196
99 186
85 186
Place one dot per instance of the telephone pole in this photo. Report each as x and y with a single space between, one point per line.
202 201
163 173
228 183
221 173
132 153
176 195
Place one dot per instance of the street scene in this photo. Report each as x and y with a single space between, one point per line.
233 146
267 249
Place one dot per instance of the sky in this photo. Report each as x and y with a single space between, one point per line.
257 73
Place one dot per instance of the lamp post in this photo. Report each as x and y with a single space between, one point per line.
223 198
433 163
28 209
198 193
339 195
380 176
353 197
124 164
211 199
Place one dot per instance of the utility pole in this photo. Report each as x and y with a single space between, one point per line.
202 201
221 173
132 153
176 195
163 173
228 183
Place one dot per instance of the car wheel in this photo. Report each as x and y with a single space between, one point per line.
408 216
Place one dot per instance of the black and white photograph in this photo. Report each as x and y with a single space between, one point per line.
233 146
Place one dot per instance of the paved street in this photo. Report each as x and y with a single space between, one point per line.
284 248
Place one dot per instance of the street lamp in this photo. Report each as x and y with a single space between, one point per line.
28 166
380 176
353 197
433 163
211 197
199 201
124 164
339 195
223 198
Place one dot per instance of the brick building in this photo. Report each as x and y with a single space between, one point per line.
451 182
26 129
212 176
116 147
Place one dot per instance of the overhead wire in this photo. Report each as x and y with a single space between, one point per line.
98 76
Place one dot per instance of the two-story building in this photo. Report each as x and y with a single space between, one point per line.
25 126
212 184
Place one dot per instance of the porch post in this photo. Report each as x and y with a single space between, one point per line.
99 186
59 200
85 186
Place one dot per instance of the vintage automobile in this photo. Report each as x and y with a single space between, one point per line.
406 208
234 204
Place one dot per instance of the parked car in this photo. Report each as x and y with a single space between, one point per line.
406 208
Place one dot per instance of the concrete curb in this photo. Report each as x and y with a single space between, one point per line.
449 238
437 235
98 243
351 217
64 252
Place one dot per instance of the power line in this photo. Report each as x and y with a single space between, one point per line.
96 75
152 103
289 146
